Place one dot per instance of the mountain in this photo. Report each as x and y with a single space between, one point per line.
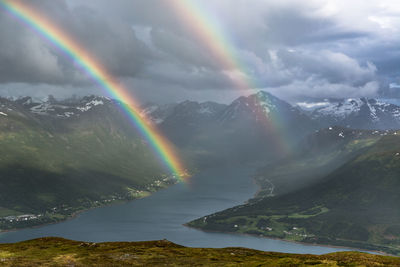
256 107
266 122
354 203
193 127
188 118
61 109
256 127
57 158
356 113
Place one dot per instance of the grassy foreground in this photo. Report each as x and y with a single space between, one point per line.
62 252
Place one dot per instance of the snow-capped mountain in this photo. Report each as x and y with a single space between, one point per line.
362 113
10 108
258 107
255 125
259 126
265 111
50 107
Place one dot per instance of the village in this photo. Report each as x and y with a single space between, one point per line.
20 218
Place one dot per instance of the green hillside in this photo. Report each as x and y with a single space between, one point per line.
51 168
62 252
317 156
357 204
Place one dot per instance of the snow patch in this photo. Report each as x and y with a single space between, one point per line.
68 114
372 112
312 106
4 114
148 110
90 105
205 110
340 109
42 109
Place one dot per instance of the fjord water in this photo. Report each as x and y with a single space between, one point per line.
163 214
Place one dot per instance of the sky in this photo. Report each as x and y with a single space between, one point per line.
291 48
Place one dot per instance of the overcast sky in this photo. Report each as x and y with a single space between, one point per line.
292 48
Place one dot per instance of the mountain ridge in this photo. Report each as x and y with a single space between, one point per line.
363 113
356 113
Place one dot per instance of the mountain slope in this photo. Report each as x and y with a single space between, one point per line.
317 155
51 162
357 204
189 118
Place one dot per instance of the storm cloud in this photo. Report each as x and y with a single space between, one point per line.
292 48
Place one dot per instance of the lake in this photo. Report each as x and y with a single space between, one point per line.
162 214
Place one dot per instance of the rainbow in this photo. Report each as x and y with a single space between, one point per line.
209 32
212 36
99 75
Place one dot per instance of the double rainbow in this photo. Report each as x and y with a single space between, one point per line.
100 76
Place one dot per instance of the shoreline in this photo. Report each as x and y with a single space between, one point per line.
259 189
69 217
78 213
285 240
375 252
252 177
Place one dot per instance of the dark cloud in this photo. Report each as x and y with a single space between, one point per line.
290 47
23 57
182 51
26 57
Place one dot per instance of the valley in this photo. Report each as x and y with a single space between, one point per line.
308 185
76 154
164 213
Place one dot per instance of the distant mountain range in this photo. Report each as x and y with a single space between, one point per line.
53 108
260 126
356 113
264 126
